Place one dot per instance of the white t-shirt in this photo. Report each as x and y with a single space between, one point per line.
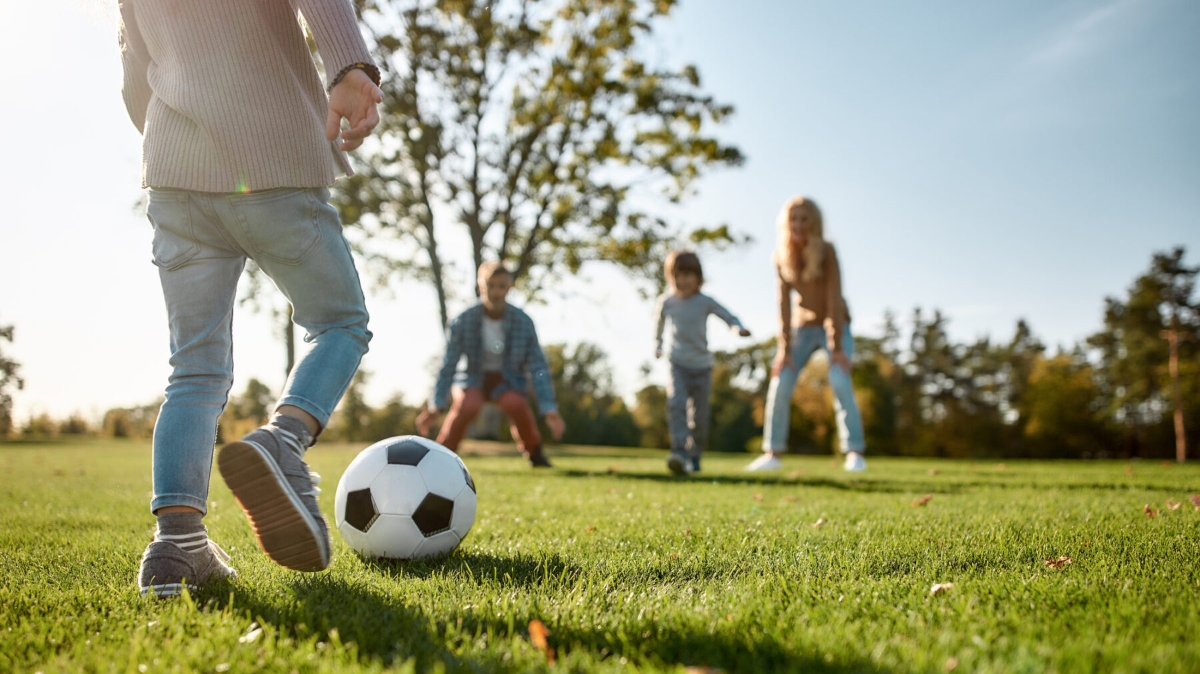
493 344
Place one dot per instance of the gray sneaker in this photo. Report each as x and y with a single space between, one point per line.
279 494
167 568
679 464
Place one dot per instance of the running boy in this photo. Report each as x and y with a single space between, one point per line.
501 345
240 142
686 309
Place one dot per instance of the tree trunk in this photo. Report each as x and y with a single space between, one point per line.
1180 434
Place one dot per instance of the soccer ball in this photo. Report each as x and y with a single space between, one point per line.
404 498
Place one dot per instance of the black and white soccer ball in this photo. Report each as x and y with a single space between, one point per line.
405 497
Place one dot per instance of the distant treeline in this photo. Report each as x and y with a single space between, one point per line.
921 394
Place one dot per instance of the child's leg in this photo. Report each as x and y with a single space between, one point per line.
296 238
779 392
199 272
677 409
849 420
699 406
524 424
464 408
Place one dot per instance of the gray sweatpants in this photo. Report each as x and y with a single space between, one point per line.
688 408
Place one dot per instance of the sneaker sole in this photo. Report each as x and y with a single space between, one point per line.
284 527
675 465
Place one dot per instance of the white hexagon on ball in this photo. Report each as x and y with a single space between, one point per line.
403 498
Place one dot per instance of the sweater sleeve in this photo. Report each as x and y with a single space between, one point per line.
335 28
135 60
835 326
660 319
715 308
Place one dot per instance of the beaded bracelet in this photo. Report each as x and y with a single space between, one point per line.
368 68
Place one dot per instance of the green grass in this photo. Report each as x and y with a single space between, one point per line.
633 571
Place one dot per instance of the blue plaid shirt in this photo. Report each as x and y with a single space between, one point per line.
522 353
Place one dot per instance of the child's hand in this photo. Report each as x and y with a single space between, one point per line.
783 358
556 424
743 332
658 353
354 99
426 420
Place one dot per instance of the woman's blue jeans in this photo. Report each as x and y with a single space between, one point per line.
779 394
201 244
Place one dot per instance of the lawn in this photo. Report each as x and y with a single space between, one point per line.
810 569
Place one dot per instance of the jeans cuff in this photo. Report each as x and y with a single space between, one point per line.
168 500
320 415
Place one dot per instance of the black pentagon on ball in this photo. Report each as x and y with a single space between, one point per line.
470 482
433 515
406 453
360 510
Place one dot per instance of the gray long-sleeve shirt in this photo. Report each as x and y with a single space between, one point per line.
227 94
687 339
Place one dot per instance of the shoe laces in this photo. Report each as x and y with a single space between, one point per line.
316 480
218 551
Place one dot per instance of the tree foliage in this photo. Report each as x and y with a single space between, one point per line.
537 129
10 381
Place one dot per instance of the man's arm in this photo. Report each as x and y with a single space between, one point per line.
135 60
454 351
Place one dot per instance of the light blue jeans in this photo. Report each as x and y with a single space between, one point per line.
201 243
688 409
779 394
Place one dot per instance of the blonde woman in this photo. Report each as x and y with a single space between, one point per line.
807 264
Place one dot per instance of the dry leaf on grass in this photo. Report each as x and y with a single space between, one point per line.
589 528
1172 504
1195 500
674 555
933 472
939 588
922 500
791 499
795 474
758 497
703 670
1001 466
1149 512
1166 464
1129 470
1058 564
951 665
819 522
539 634
614 469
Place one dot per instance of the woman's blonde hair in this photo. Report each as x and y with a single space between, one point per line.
809 268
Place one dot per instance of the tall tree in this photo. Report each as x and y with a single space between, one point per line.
9 381
536 128
1148 351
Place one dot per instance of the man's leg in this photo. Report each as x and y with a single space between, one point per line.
295 237
524 426
464 408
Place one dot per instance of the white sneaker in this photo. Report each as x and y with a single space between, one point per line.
855 463
767 461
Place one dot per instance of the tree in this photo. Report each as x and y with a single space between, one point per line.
1059 404
1141 374
593 412
10 380
535 128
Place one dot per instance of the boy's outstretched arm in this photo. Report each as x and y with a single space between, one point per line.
730 320
659 321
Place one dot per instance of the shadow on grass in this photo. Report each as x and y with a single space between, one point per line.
382 629
866 485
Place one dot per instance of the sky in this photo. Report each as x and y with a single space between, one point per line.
997 161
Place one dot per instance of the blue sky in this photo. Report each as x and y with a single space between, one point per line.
994 160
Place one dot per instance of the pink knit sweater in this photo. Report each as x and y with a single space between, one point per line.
226 94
